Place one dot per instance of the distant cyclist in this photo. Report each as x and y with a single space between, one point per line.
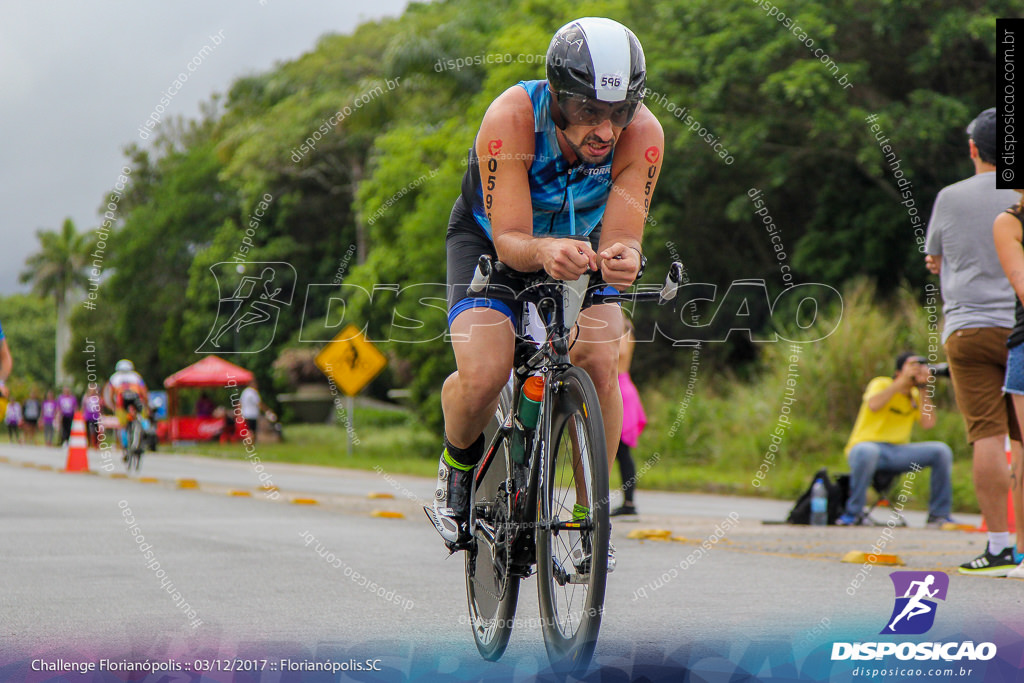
124 390
6 363
560 178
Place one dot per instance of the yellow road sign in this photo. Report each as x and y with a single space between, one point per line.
351 360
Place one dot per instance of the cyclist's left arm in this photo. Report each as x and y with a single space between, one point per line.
639 151
109 395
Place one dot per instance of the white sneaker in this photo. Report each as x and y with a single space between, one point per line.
1017 572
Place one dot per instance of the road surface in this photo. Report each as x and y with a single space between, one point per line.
219 576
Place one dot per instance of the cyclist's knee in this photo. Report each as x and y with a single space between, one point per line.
481 384
602 368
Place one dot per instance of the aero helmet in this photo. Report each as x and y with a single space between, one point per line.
593 63
124 365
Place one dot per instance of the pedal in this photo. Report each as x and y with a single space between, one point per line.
453 547
561 576
581 563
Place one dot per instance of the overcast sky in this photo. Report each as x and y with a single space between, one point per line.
79 78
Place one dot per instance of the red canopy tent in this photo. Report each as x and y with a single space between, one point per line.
211 371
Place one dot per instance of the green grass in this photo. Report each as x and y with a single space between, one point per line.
394 440
715 440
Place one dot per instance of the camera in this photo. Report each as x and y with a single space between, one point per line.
938 369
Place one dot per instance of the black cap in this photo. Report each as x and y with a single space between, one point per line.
983 131
905 356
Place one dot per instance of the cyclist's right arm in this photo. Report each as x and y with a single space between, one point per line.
505 146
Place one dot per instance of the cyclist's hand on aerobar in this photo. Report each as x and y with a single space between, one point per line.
619 265
567 259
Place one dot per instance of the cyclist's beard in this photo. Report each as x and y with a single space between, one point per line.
582 149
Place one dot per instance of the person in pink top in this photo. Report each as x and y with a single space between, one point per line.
633 421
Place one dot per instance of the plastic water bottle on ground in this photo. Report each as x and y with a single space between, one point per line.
819 503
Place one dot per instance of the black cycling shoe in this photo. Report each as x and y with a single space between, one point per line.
450 511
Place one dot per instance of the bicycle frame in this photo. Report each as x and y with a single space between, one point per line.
518 514
550 358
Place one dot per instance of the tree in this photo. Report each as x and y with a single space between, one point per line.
352 165
30 329
57 269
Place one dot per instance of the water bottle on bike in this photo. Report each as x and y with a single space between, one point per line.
526 419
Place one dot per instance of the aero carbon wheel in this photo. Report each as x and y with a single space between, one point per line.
491 589
134 445
573 526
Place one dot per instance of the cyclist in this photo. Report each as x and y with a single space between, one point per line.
6 363
559 179
125 388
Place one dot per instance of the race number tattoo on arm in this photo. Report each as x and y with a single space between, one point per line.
650 155
651 172
493 146
492 167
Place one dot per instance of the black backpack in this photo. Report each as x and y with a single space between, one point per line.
838 492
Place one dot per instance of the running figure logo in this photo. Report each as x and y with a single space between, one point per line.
254 305
913 612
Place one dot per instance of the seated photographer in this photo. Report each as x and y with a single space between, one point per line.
880 440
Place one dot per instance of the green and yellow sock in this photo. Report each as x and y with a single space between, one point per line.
452 463
463 459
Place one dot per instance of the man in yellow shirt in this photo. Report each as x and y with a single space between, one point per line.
880 440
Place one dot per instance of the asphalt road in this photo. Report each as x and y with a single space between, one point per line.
219 576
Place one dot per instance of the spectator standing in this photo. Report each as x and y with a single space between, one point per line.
92 414
49 417
251 406
67 404
12 419
31 409
633 422
204 405
978 307
1007 231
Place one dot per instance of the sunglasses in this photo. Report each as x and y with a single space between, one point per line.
581 110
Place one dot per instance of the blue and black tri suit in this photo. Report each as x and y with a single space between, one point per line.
568 201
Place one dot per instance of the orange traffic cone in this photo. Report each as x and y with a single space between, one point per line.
78 451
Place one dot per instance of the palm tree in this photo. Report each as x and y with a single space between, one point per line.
56 269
